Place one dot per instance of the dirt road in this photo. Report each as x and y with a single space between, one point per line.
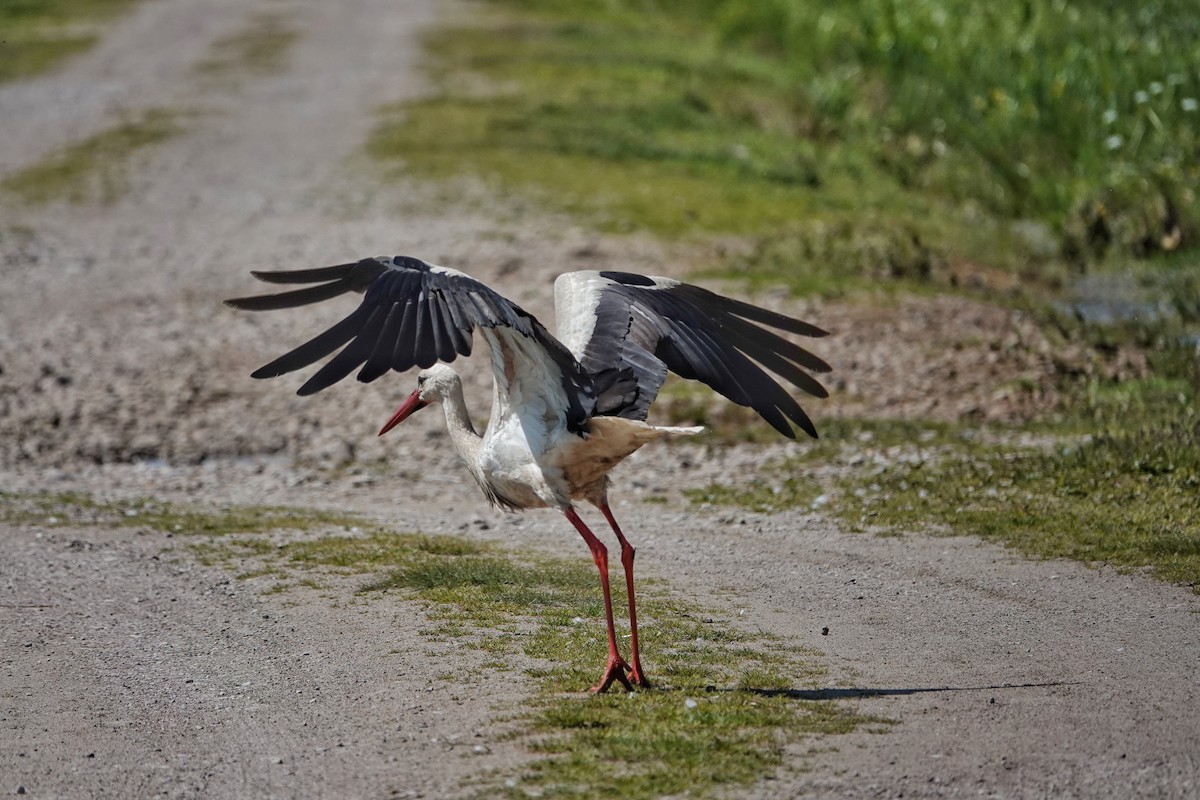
129 669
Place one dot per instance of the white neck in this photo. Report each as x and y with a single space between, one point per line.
463 436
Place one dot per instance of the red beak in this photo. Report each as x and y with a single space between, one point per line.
413 403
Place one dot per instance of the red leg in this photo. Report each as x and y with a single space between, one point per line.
627 552
616 665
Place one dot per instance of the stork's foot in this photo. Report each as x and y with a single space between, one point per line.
615 672
637 677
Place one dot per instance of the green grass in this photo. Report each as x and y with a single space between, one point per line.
260 48
858 143
95 170
1129 498
634 129
37 35
1013 107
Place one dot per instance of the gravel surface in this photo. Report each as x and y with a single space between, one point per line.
129 669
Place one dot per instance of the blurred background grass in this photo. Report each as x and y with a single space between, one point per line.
851 141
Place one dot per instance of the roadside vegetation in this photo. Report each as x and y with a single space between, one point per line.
1022 154
858 149
37 35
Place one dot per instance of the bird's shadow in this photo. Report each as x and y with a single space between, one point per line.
862 692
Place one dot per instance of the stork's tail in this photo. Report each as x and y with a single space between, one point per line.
637 431
690 430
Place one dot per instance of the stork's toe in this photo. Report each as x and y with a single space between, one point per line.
614 672
637 677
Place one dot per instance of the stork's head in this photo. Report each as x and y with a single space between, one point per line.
433 385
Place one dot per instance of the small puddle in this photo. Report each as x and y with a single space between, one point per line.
1112 298
1118 297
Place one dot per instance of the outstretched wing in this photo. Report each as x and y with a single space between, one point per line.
618 320
412 314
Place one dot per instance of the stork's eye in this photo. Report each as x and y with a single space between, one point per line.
420 380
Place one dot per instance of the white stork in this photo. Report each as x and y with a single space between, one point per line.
565 411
